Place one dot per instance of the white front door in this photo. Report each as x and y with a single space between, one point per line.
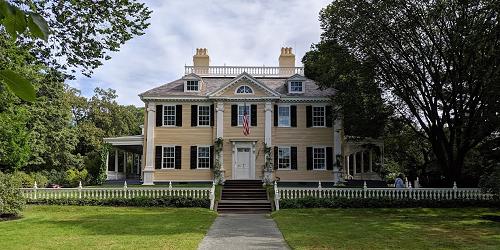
242 167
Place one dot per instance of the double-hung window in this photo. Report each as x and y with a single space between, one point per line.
284 161
169 115
296 87
192 86
318 116
319 158
203 158
168 158
283 116
203 115
241 112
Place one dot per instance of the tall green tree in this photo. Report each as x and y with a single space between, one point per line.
437 61
358 97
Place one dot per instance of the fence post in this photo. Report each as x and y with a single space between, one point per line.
125 189
319 189
276 196
80 190
170 188
417 183
410 191
455 190
35 187
365 189
212 196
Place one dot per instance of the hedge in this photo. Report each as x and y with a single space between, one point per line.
310 202
11 199
164 201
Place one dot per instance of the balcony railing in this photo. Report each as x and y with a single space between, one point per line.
258 71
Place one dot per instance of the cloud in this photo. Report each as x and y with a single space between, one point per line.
237 32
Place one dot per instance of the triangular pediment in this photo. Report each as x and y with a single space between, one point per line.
258 89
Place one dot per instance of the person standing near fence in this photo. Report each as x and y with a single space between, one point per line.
399 183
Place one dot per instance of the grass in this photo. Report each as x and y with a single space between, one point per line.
72 227
415 228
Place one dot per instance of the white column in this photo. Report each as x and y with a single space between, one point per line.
362 161
220 119
268 124
337 150
220 131
347 165
370 159
116 164
107 165
124 164
150 146
354 163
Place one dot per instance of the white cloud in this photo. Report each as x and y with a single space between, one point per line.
239 32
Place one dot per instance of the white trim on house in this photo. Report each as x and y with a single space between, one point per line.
133 140
163 146
198 116
238 78
324 116
187 81
289 115
289 157
302 86
244 93
163 115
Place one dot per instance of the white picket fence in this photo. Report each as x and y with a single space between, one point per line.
119 192
390 193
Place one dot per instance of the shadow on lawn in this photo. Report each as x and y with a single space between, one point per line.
142 224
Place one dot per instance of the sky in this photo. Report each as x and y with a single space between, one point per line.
235 32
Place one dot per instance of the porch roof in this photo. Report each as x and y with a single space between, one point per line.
132 143
137 140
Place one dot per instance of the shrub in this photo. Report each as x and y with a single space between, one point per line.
341 202
11 199
41 179
164 201
56 177
74 176
24 179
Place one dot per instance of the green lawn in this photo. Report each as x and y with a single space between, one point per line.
418 228
72 227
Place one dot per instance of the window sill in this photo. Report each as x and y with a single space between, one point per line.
319 127
285 169
201 169
168 169
170 126
319 169
282 126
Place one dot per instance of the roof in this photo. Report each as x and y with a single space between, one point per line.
212 84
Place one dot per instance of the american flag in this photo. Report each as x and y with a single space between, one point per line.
246 127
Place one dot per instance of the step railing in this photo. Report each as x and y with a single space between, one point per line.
388 193
126 192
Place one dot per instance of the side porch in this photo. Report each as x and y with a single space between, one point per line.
124 159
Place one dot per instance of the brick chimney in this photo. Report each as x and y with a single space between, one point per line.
201 61
286 61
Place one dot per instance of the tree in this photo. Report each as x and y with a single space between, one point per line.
437 62
358 98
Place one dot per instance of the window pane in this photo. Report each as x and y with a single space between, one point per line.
283 158
296 86
192 86
203 157
168 157
241 111
169 115
244 90
283 116
203 115
319 158
318 116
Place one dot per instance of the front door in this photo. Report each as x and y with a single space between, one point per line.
242 168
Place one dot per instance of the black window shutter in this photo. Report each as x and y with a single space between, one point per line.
329 158
293 116
309 116
234 115
293 157
212 156
276 115
159 115
178 115
212 115
194 115
253 115
178 155
329 116
158 157
309 158
194 155
275 157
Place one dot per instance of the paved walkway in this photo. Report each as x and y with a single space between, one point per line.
243 231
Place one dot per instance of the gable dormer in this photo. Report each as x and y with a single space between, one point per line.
296 84
192 83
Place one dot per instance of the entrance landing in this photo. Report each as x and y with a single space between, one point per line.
243 231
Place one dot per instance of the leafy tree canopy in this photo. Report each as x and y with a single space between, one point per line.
437 62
